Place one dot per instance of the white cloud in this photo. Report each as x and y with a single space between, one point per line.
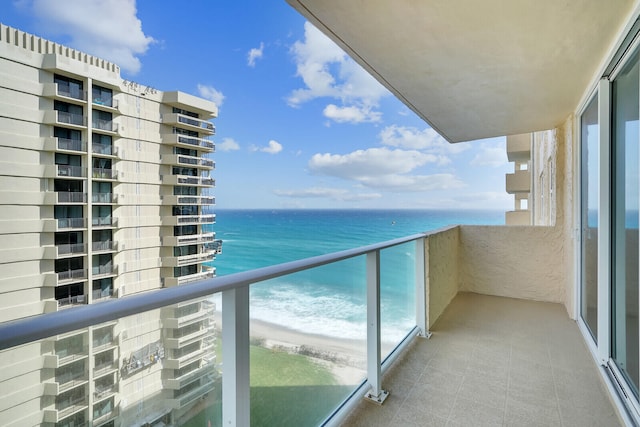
107 29
329 72
361 164
255 53
351 114
227 144
494 155
328 193
414 183
210 93
414 139
274 147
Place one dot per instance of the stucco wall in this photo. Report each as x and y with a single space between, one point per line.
517 262
442 266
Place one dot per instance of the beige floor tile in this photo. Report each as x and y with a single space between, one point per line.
467 412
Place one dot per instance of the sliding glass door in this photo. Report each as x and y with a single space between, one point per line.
589 133
624 218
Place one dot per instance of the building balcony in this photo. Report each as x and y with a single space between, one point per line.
189 123
171 321
518 182
207 273
104 198
193 181
64 197
65 409
65 382
65 250
175 343
64 144
65 171
185 141
69 120
192 239
189 219
177 383
192 395
63 224
100 271
104 392
179 261
197 162
521 217
189 200
107 368
104 222
108 150
71 275
105 126
105 174
73 95
64 357
519 147
497 354
105 246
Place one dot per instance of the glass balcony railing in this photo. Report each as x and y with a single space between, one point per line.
107 245
104 221
66 301
284 363
71 197
104 149
70 144
196 142
72 274
64 223
73 248
103 173
70 171
102 197
70 118
107 125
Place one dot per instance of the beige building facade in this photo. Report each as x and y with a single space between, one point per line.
105 192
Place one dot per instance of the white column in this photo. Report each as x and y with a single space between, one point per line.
421 291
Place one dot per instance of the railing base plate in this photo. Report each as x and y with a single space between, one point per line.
379 399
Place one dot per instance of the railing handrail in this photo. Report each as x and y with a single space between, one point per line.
23 331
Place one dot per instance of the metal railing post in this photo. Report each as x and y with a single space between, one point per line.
374 359
421 288
235 357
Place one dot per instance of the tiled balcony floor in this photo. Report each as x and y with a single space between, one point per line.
494 362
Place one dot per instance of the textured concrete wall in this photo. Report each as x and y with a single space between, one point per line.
517 262
442 266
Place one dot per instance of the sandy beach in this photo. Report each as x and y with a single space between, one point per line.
345 358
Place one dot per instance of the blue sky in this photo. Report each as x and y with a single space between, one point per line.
300 124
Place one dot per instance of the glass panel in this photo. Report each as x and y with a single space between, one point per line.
589 250
625 223
397 295
308 343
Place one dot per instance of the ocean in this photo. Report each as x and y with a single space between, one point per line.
330 300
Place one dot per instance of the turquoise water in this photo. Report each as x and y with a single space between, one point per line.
330 300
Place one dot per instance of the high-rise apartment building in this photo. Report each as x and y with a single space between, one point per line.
104 193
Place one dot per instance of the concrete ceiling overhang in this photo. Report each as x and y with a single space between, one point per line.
477 69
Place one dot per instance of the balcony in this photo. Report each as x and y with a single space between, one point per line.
65 171
104 246
178 261
175 343
104 149
63 224
519 148
64 357
197 181
71 120
99 271
66 197
194 394
104 222
64 250
71 275
192 239
104 173
65 382
72 94
189 219
519 182
198 162
203 144
64 144
188 122
65 409
106 126
189 200
494 357
179 382
104 198
207 273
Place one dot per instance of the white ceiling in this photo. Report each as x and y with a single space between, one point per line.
477 69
